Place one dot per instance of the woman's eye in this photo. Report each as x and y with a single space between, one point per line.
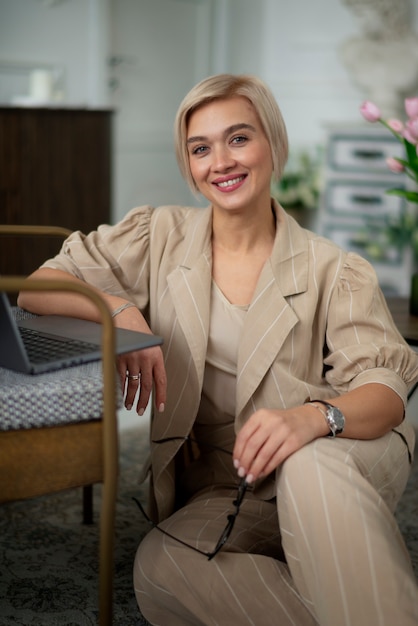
199 150
239 139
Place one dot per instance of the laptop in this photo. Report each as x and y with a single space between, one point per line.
51 342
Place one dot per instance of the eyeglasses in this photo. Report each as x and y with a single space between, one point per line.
226 533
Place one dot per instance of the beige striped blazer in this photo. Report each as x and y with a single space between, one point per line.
317 326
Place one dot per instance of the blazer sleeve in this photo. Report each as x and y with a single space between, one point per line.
114 259
363 343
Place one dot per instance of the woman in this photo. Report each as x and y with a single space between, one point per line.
274 339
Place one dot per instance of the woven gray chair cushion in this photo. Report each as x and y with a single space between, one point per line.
73 394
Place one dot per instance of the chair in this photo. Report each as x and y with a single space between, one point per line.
79 454
50 232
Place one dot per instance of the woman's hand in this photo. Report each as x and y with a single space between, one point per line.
147 364
270 436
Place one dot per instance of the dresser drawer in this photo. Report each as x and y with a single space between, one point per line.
360 154
361 199
363 241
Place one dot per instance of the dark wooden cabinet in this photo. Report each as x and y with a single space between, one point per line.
55 169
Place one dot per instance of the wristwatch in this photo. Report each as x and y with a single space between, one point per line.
333 416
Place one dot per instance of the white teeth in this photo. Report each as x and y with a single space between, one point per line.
229 183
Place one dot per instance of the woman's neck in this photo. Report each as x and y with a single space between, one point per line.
243 234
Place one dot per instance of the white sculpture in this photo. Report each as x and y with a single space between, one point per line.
383 61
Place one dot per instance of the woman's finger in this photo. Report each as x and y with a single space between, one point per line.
133 382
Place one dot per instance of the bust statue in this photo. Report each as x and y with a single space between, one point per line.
383 60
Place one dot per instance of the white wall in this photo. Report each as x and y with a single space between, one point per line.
154 67
69 36
292 45
302 66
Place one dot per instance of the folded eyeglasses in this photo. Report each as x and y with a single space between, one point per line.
226 533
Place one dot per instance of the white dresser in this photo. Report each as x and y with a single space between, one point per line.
354 203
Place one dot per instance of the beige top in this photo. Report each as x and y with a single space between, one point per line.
219 383
215 420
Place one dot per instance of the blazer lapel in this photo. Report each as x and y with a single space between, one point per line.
190 288
270 317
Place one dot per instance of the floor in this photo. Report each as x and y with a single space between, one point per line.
130 419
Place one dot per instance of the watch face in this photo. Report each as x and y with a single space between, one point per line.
337 417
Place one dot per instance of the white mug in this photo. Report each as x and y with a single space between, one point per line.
40 85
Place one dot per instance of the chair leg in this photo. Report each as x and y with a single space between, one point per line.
88 504
107 531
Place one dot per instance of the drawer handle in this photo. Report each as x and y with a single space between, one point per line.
366 199
368 154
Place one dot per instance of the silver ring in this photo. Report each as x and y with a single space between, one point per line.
134 377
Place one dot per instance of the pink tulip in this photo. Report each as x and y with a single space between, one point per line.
370 111
412 127
395 125
394 165
411 107
408 136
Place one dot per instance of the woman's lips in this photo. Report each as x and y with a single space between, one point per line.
230 183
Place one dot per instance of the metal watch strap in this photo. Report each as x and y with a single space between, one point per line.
328 405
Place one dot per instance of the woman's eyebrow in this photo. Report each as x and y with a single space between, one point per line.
227 131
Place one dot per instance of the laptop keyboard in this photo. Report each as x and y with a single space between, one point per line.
42 348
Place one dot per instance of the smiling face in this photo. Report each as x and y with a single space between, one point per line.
229 155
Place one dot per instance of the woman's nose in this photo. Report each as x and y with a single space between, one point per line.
222 158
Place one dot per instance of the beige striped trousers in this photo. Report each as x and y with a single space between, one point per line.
328 551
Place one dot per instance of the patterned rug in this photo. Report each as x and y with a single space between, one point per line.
49 562
49 565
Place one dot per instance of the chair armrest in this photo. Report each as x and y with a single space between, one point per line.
47 231
110 434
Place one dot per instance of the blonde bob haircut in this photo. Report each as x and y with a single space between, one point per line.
223 86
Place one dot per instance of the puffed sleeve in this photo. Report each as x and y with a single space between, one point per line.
364 345
114 259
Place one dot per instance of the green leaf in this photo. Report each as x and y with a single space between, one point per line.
411 151
411 196
402 162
